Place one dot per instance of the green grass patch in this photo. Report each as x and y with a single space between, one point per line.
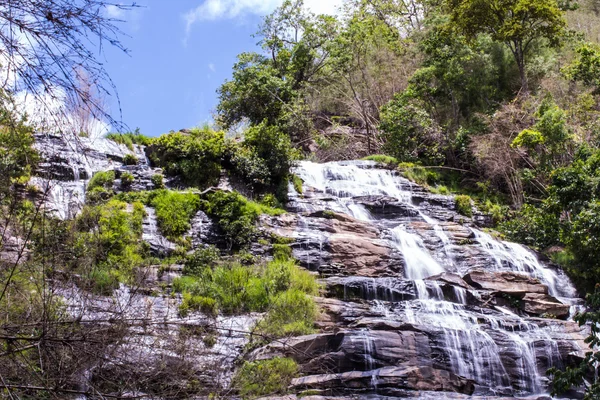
280 288
383 159
130 138
265 377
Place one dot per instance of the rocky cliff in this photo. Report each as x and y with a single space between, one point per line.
418 301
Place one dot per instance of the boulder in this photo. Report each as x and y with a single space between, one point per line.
413 378
511 283
540 304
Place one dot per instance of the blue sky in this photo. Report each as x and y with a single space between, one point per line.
181 52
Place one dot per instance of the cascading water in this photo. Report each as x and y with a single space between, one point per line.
502 351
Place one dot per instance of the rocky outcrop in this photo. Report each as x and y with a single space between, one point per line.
390 381
510 283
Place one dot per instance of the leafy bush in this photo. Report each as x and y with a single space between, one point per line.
108 236
203 304
418 174
130 159
195 156
197 262
291 313
174 212
236 216
17 155
410 132
127 179
265 377
157 181
102 179
463 205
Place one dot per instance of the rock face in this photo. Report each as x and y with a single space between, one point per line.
417 300
420 303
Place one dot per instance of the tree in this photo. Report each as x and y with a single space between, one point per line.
46 45
517 23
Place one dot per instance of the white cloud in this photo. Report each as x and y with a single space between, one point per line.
211 66
211 10
113 11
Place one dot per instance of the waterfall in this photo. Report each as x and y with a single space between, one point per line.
502 350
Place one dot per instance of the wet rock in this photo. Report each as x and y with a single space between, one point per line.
388 380
511 283
540 304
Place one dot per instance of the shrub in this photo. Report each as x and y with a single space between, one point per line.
107 239
236 216
203 304
265 377
157 181
463 205
103 179
127 179
197 262
274 147
291 313
237 288
130 159
195 156
174 212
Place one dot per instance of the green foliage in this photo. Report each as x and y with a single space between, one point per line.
193 155
463 205
174 212
534 227
127 179
130 138
280 288
18 158
107 239
418 174
297 183
410 133
236 216
130 159
586 67
198 261
266 377
517 23
264 158
583 374
382 159
102 179
157 181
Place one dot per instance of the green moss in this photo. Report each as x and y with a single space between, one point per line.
265 377
463 205
282 251
328 214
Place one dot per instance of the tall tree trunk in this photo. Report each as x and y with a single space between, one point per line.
520 58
